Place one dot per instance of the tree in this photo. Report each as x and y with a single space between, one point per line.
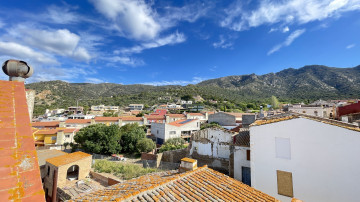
145 145
66 144
173 144
186 97
274 102
130 135
100 139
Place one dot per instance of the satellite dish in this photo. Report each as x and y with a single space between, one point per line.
17 70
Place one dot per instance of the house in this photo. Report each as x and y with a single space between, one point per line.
46 124
74 110
177 129
240 160
19 169
324 111
227 119
154 119
103 108
306 157
121 120
136 107
193 184
212 147
161 112
203 117
77 123
80 116
63 169
351 112
174 117
45 137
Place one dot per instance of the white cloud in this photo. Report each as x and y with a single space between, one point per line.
61 42
137 19
285 29
288 41
133 18
286 12
350 46
223 43
26 53
60 15
168 40
94 80
125 60
194 80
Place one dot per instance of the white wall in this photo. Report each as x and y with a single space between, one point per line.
240 161
324 160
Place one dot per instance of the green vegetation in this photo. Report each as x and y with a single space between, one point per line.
232 93
210 125
173 144
145 145
274 102
102 139
122 170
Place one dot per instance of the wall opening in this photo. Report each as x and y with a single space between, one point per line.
73 173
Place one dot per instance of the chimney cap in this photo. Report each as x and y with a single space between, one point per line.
17 70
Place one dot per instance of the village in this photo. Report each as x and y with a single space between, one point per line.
280 154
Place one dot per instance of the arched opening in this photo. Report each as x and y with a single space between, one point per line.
73 173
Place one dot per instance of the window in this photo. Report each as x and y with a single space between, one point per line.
53 138
48 173
285 183
172 132
248 155
67 136
283 149
157 132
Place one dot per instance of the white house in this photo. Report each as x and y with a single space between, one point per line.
203 117
241 161
179 128
309 158
323 111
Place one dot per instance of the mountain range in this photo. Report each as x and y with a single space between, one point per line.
307 83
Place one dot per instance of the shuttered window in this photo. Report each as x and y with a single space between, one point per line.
285 183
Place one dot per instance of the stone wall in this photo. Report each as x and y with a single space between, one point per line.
222 119
103 179
218 164
175 156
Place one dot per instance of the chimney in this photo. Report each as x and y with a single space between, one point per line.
187 164
17 70
167 119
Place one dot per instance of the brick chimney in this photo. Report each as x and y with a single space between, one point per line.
187 164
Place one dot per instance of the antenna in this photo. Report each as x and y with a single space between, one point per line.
17 70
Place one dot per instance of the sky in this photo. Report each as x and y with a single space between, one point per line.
163 42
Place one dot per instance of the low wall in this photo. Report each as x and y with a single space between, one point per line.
175 156
102 179
218 164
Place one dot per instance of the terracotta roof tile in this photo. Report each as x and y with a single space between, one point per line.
181 122
19 168
203 184
46 124
68 158
239 115
78 121
101 118
196 114
176 115
155 117
46 132
132 118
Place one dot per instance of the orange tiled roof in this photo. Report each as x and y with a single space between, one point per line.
78 121
101 118
132 118
202 184
196 114
46 124
68 158
46 132
176 115
19 169
238 115
70 130
180 122
156 117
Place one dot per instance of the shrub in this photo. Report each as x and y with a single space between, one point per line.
145 145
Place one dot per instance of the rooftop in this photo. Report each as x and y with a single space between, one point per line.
43 155
175 115
292 115
68 158
19 169
202 184
181 122
79 121
46 124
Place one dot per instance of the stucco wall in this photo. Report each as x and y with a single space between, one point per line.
222 119
324 160
240 161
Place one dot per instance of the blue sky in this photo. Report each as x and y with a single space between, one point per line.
163 42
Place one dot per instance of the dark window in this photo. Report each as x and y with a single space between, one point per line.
248 155
285 183
48 173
